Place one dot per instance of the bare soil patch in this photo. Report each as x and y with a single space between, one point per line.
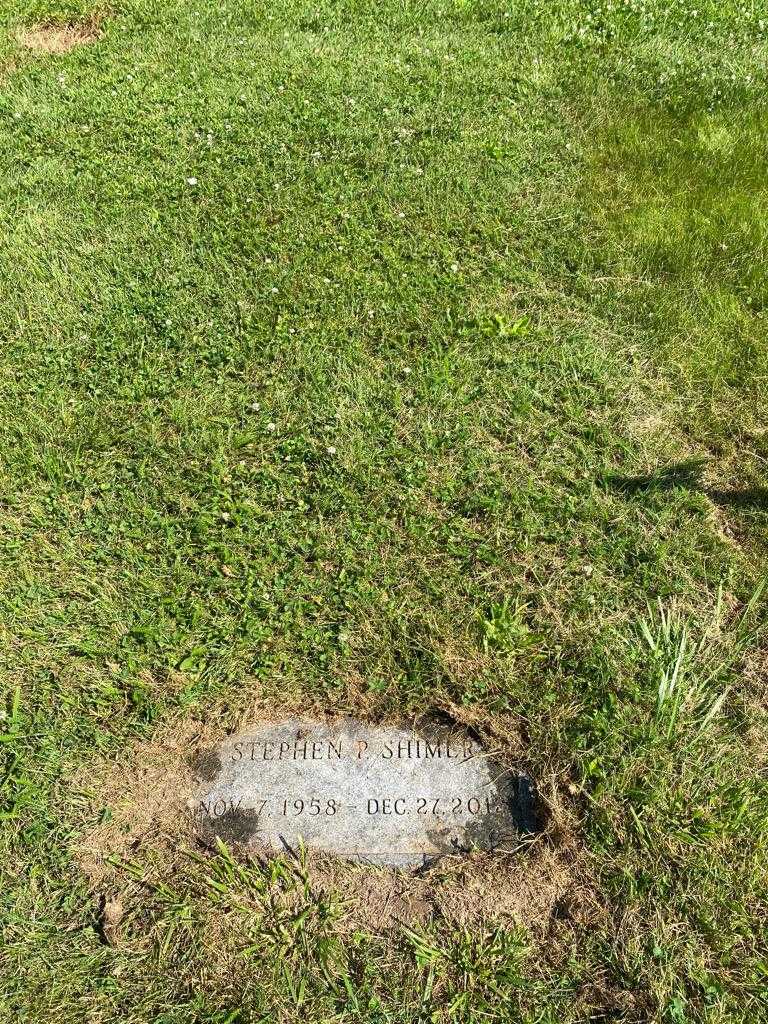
57 37
542 885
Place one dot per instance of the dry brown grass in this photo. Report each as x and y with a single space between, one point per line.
57 37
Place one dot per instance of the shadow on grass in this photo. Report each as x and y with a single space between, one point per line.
688 474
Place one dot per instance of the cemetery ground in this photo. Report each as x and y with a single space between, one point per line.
384 360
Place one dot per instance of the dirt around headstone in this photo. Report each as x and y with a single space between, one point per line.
139 813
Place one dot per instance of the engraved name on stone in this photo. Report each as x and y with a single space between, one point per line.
378 794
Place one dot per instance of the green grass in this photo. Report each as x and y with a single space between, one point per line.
444 385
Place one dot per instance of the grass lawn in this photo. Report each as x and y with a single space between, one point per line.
378 359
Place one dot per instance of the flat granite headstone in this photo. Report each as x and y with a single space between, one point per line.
368 793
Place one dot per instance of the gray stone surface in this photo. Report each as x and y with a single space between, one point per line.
381 795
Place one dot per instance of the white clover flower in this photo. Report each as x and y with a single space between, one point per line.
254 406
331 450
455 268
191 181
271 427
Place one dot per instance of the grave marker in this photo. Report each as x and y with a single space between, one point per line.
375 794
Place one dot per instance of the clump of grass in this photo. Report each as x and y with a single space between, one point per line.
667 760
